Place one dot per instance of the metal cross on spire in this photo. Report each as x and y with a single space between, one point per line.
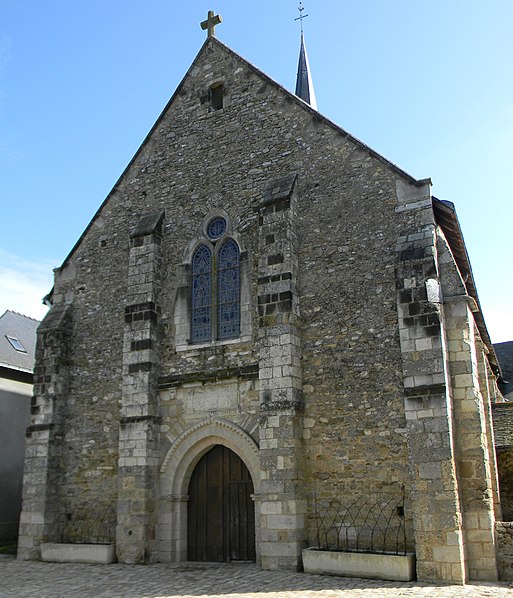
304 85
301 8
210 23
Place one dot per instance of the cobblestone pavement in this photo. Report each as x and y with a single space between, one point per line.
19 579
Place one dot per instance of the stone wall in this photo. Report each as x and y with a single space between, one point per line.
505 467
351 356
42 517
505 550
503 430
427 398
314 388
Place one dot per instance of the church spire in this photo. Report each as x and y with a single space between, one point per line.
304 85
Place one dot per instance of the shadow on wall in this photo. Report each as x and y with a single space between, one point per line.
14 419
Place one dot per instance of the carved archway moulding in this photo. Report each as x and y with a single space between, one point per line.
193 443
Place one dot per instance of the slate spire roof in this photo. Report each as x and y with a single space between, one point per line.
304 85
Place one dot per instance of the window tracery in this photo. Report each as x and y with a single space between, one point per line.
201 312
215 286
228 290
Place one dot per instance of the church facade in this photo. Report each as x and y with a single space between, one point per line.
263 314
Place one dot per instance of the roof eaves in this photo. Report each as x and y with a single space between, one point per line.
447 219
11 366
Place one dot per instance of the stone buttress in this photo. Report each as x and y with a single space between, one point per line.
283 504
139 420
452 489
475 464
39 521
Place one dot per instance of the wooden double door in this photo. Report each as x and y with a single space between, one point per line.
221 515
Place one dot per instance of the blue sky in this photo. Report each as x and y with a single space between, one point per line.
429 85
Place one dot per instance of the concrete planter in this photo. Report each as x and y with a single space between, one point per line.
359 564
79 553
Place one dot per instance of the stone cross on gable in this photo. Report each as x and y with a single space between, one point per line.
211 22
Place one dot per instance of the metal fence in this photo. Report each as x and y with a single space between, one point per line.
365 524
86 526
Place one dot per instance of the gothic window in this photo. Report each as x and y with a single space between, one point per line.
215 287
201 312
228 290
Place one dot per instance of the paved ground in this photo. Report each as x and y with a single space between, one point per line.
20 579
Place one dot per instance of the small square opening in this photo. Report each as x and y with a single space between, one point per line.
216 97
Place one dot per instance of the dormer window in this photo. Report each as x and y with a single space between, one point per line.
16 344
216 94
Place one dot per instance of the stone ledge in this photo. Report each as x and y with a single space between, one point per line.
278 190
248 372
102 554
360 564
148 224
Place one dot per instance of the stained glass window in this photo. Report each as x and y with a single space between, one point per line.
215 286
216 228
228 291
201 316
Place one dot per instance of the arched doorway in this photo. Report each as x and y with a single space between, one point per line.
221 516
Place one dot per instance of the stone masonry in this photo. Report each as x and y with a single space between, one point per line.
503 429
138 439
428 410
44 437
361 367
283 504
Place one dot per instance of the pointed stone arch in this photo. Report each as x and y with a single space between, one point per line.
182 310
175 475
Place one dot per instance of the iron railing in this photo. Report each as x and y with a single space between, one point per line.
86 526
365 524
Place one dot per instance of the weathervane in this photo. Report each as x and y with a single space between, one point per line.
301 8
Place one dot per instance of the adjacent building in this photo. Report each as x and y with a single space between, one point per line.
17 345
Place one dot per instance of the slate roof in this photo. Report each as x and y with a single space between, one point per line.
23 329
447 219
504 352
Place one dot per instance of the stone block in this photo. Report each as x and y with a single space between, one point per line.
353 564
79 553
271 508
430 471
285 522
447 554
280 549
